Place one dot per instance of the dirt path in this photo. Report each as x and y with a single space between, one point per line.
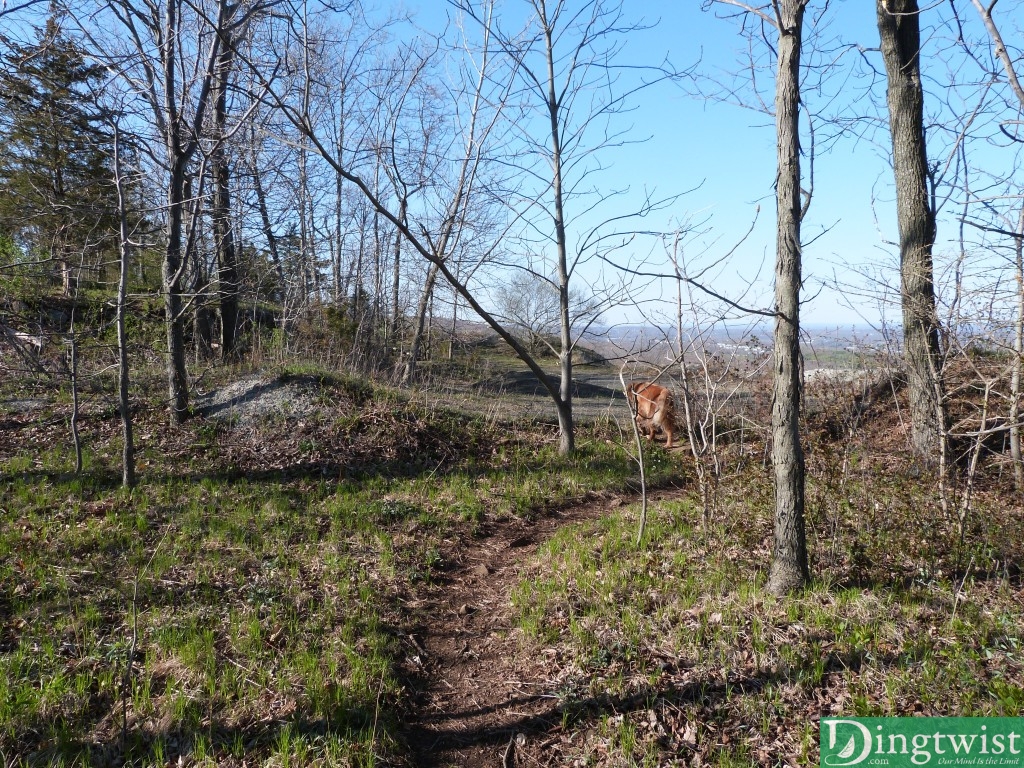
474 691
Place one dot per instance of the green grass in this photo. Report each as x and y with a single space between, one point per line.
684 626
262 607
245 613
258 572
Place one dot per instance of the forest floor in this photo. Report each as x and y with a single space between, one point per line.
320 570
480 692
476 700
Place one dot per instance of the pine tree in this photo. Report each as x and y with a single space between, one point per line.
57 202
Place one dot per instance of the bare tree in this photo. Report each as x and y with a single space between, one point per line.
1017 235
789 569
567 75
530 304
223 231
1018 354
710 376
900 33
123 371
170 52
446 211
411 158
414 122
639 457
14 7
257 171
999 48
152 64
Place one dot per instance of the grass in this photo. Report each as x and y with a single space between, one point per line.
679 637
244 601
227 608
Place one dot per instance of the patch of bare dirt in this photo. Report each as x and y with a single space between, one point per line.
479 698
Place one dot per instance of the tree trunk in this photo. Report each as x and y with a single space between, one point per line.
789 569
1018 356
179 114
340 289
173 266
199 282
268 232
227 272
455 325
305 254
396 308
128 451
76 437
177 377
900 33
1018 249
339 243
566 428
409 374
566 425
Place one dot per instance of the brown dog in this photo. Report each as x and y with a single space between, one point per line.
654 408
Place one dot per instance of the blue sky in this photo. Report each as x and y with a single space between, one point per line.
730 153
726 154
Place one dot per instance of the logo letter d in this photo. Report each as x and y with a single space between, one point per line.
845 755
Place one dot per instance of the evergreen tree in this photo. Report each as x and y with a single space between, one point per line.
57 202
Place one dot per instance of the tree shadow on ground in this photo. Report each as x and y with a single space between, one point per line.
434 737
229 745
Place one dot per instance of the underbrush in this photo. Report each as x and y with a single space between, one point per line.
241 601
673 652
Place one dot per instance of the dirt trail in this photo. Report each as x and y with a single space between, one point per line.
474 689
475 693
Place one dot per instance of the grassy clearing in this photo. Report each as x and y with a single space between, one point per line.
240 602
236 605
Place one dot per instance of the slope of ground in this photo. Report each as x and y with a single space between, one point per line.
319 571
